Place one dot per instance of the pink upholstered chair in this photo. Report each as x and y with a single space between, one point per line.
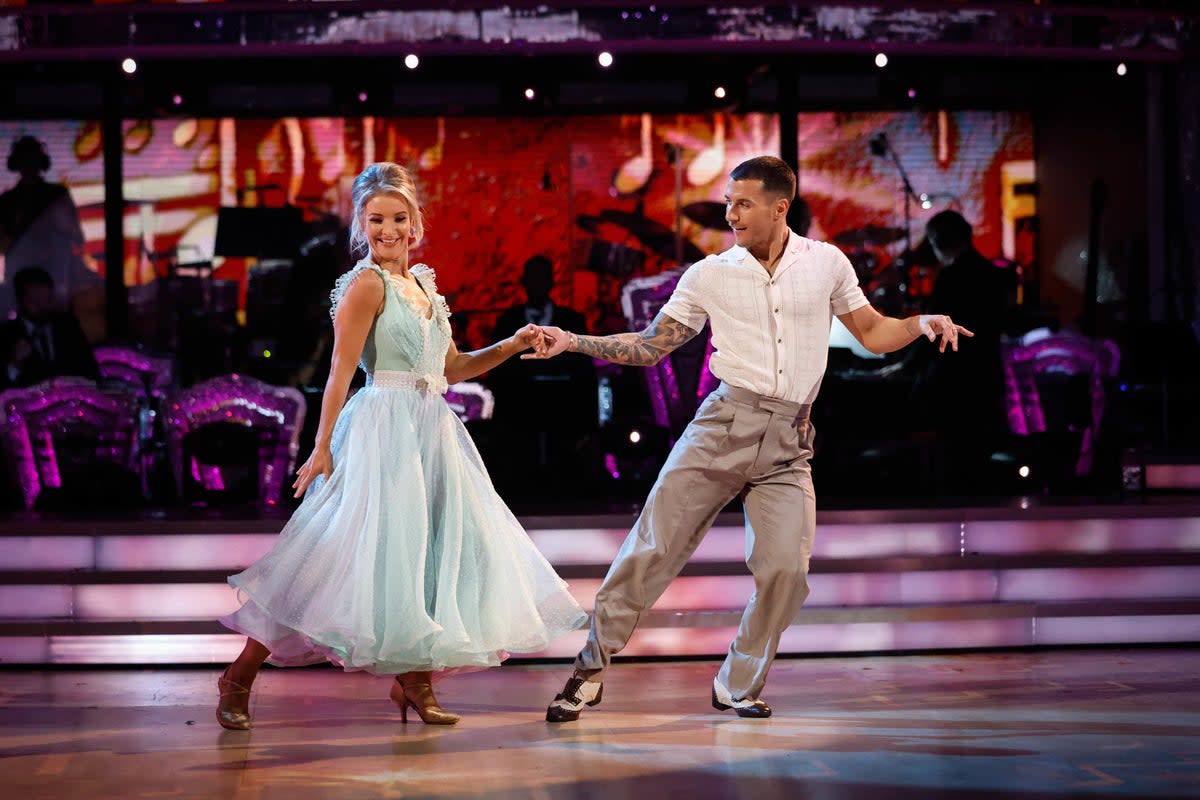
678 383
70 436
471 401
150 376
207 422
1040 354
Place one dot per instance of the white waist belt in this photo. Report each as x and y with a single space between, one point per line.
396 379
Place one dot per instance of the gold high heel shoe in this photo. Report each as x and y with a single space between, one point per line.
233 715
414 689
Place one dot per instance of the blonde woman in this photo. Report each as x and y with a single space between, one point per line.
402 559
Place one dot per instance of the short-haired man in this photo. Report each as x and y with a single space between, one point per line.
770 300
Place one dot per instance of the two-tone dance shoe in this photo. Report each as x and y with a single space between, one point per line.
578 692
750 709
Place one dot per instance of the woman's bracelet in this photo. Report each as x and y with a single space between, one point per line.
572 341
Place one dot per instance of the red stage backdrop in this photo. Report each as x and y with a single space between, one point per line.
601 195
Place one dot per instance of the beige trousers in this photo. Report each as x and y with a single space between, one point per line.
738 443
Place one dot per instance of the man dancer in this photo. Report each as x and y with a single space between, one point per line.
770 300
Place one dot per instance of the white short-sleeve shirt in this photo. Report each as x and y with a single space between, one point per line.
770 333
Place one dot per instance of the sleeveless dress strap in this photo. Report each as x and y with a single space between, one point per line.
428 280
345 279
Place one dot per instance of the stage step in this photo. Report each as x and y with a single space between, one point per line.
699 568
1172 472
695 618
150 590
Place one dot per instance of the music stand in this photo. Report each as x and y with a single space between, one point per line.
259 232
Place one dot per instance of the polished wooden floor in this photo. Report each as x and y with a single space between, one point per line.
1121 723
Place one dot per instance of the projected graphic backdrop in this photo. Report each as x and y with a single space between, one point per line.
603 196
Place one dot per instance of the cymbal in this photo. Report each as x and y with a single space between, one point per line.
708 213
869 234
652 235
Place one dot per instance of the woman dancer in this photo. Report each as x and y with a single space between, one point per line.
402 559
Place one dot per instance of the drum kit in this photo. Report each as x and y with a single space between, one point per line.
632 228
896 285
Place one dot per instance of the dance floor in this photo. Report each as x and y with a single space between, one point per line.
1021 724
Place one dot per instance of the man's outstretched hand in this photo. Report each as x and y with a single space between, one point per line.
934 325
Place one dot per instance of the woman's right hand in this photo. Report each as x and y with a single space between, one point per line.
319 463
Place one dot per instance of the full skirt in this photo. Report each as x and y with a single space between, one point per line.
405 558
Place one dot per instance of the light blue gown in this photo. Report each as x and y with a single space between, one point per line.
405 559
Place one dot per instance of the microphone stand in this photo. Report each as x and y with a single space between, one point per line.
909 194
675 159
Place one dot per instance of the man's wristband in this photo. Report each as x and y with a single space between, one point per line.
923 320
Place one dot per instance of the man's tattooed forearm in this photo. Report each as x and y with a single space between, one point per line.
638 349
621 348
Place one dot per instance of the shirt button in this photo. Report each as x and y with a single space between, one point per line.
780 372
777 311
779 341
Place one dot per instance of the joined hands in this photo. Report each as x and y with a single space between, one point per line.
552 342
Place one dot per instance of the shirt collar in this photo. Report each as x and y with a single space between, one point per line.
796 244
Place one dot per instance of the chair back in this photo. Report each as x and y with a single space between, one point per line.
68 434
1040 358
679 382
143 374
471 401
272 415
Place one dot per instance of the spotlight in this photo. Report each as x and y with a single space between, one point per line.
266 353
881 60
129 66
605 59
177 100
530 93
1023 471
635 436
912 94
1122 70
411 61
719 93
362 97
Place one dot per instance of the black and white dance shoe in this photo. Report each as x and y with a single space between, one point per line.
749 709
578 692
